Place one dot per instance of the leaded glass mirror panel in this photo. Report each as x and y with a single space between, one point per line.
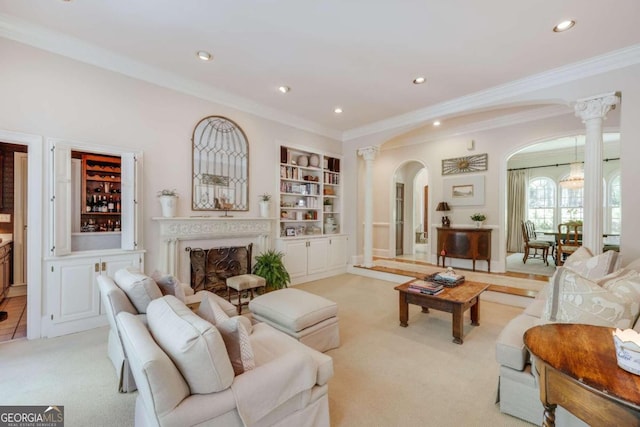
220 166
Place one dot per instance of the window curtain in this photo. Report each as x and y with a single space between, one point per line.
516 208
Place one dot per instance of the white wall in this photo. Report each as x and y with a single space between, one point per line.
53 96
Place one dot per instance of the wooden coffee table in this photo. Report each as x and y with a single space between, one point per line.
578 370
452 300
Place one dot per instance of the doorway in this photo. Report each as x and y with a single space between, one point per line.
408 212
399 216
13 229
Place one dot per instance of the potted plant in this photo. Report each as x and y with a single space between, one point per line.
478 218
270 266
168 202
265 199
327 205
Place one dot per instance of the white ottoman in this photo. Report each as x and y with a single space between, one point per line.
309 318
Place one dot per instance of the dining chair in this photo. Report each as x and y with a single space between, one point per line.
569 240
531 242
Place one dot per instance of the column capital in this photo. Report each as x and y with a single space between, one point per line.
596 107
369 153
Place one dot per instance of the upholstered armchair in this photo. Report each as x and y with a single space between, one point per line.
192 372
131 291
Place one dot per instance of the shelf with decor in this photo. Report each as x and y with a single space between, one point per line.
309 205
101 189
310 193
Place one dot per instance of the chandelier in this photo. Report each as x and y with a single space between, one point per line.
575 180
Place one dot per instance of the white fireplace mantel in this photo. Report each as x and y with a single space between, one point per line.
172 230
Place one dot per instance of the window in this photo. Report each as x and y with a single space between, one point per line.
542 203
571 204
614 208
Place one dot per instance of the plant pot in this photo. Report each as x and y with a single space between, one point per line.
169 205
478 224
327 208
264 209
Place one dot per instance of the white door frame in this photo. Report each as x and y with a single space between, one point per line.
35 184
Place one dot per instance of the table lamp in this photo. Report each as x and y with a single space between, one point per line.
444 207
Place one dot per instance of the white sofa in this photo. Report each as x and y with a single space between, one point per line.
518 392
186 375
115 300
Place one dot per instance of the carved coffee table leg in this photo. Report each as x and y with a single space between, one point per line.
403 309
457 323
549 416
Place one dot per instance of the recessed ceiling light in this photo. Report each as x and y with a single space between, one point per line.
419 80
436 123
284 89
565 25
204 55
337 110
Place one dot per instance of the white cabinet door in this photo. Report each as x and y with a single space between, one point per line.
337 252
317 255
295 258
75 295
74 291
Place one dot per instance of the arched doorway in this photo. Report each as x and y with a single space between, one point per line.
409 201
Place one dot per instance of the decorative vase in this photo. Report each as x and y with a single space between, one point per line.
169 205
264 209
314 160
478 224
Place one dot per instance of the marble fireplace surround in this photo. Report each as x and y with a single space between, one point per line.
207 232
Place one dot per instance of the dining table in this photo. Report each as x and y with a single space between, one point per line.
610 241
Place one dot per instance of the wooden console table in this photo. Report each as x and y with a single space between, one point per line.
578 370
466 243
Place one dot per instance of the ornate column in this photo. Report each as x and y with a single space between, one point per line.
593 111
368 154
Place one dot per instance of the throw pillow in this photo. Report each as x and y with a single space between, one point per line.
625 284
589 266
576 299
140 288
236 339
168 285
193 344
211 311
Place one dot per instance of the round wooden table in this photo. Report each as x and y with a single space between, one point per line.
578 370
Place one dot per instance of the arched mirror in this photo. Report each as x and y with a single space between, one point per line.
220 166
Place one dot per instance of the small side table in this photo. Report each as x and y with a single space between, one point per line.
578 370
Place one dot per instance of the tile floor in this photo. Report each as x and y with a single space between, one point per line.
15 326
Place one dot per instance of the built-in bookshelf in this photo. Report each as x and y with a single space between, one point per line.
310 193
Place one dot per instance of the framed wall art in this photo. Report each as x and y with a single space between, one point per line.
464 191
475 163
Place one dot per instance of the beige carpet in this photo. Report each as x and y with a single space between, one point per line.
385 375
532 266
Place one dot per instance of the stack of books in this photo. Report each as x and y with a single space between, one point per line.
447 278
423 287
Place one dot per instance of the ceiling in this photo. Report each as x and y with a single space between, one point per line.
359 55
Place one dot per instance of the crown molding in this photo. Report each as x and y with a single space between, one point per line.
55 42
578 70
71 47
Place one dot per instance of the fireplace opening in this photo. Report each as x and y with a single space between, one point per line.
210 268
